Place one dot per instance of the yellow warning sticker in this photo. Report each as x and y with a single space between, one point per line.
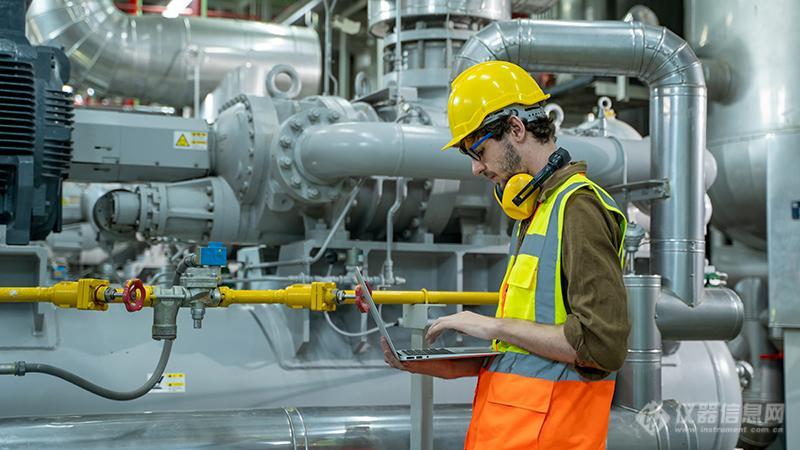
170 383
192 140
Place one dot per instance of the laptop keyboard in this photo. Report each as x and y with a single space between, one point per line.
427 351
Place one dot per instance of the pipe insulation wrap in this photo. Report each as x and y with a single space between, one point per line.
153 58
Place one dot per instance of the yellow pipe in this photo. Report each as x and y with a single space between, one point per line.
81 294
89 293
433 297
315 296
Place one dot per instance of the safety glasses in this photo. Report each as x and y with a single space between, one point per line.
471 150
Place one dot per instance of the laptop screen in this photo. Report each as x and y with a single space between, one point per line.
373 309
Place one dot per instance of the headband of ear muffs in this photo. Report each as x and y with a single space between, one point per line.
517 199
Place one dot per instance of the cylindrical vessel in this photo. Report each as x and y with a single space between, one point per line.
639 381
758 112
153 58
382 13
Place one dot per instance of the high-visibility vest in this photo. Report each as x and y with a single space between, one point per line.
522 400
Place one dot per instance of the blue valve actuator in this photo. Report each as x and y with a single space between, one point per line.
215 254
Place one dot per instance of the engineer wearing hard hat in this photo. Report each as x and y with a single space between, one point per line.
562 319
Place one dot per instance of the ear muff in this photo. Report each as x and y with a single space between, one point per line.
506 196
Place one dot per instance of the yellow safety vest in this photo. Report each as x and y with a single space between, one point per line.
531 288
524 401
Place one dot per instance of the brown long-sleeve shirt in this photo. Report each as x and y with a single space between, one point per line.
597 323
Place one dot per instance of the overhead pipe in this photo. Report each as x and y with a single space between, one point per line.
401 150
667 64
153 58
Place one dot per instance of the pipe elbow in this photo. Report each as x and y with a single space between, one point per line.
667 60
488 44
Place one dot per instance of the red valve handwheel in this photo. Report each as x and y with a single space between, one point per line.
133 295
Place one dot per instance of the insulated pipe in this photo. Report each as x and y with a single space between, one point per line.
639 381
153 58
718 317
670 426
398 150
370 427
668 65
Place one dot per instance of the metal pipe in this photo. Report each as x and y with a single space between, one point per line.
328 5
146 57
668 65
398 63
427 297
375 427
718 317
639 381
412 151
401 191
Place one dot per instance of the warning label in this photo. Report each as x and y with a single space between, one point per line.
170 383
192 140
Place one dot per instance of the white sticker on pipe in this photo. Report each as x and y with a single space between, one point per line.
170 383
190 140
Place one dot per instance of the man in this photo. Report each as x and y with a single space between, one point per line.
561 321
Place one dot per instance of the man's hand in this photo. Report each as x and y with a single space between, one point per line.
466 322
441 368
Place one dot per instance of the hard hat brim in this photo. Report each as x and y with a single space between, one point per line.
453 143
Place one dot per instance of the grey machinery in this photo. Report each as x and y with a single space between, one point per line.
286 173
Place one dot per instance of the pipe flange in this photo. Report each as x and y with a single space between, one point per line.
246 123
286 144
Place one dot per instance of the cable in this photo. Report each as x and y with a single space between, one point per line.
21 368
350 334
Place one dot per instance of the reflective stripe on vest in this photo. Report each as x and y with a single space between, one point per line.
531 288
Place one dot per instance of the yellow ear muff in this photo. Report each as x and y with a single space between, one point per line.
506 196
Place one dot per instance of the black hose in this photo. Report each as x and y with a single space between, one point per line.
23 368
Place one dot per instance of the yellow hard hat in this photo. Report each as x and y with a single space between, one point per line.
485 88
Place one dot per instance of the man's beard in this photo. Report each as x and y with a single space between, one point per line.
512 161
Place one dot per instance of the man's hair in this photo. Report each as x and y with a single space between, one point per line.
542 128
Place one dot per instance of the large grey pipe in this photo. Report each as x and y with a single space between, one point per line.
153 58
333 152
719 317
668 65
375 428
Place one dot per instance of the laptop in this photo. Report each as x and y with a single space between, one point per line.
418 353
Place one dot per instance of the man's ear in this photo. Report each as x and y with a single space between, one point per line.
517 130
